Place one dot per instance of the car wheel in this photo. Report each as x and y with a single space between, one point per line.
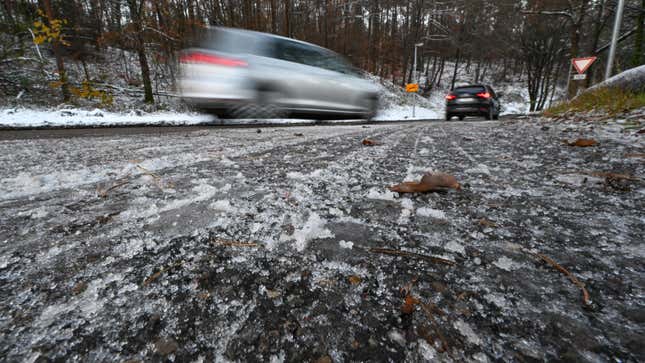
489 115
448 117
372 107
461 118
265 106
496 116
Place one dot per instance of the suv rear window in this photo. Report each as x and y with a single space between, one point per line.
473 90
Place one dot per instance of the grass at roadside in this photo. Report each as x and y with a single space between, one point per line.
608 99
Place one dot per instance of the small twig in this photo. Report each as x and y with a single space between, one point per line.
104 193
36 44
158 274
387 251
148 172
227 243
156 177
574 280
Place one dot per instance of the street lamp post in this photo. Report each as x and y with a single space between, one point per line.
415 77
614 38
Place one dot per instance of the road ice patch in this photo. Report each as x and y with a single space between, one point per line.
377 194
507 264
313 228
429 212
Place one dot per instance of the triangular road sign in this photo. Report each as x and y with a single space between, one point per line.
582 64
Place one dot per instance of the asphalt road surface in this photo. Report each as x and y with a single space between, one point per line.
284 244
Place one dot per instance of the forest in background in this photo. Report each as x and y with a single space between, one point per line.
532 40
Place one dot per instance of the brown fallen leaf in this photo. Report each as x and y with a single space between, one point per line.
369 142
430 182
616 176
637 156
79 288
486 223
166 346
409 304
583 143
354 280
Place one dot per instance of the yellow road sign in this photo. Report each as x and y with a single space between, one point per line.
412 87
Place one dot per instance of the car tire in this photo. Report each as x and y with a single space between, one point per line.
448 117
264 106
489 115
496 116
372 107
461 118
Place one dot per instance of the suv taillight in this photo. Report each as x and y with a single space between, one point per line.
203 58
483 95
450 97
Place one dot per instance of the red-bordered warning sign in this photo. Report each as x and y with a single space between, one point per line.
582 64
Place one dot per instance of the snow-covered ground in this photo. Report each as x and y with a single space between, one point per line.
238 245
73 117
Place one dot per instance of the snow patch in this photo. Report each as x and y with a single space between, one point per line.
313 228
377 194
468 332
507 264
429 212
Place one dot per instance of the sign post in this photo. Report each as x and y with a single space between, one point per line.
415 75
614 38
412 88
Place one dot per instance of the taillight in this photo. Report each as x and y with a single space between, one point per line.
451 97
204 58
483 95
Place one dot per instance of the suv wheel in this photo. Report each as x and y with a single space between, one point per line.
489 115
448 117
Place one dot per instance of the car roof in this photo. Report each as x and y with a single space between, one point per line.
473 85
266 35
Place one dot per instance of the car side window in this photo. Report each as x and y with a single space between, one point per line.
288 51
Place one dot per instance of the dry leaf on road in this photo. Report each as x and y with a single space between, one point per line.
369 142
583 143
430 182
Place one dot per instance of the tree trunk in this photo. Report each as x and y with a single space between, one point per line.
60 65
287 18
454 73
135 12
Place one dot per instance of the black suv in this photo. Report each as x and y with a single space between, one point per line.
474 100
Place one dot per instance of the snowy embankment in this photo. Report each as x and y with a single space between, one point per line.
632 80
30 118
27 118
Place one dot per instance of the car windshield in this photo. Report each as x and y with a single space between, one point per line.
470 89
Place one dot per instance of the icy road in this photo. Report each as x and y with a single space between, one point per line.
284 244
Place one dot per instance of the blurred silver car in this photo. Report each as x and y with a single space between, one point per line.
241 74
